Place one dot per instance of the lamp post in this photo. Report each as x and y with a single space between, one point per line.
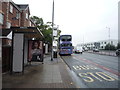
109 38
52 30
83 39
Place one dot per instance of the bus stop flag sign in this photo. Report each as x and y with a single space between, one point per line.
54 32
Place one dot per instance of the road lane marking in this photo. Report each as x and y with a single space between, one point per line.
105 68
86 78
112 75
105 76
84 67
76 68
94 76
100 66
91 77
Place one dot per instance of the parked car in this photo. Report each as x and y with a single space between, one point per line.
118 52
86 49
78 50
95 50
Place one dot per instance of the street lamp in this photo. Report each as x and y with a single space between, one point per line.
109 38
52 30
83 41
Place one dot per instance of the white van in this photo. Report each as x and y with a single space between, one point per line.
78 50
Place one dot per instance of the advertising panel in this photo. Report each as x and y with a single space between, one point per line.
35 51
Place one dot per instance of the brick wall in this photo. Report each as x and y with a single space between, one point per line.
11 17
4 12
24 20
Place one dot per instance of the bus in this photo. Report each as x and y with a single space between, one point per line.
65 45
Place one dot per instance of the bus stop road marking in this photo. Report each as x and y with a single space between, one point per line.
91 77
84 67
98 65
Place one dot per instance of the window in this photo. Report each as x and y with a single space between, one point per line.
8 25
1 18
30 23
17 15
66 38
104 42
11 8
26 15
66 45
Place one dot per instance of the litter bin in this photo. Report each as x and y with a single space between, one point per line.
55 54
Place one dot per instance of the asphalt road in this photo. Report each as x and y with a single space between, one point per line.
93 70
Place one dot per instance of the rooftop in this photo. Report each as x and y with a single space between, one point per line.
22 6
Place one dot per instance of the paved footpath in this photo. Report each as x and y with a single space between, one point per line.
51 74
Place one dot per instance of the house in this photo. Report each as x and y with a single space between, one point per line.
12 14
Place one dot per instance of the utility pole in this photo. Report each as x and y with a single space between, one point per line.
52 30
109 38
83 42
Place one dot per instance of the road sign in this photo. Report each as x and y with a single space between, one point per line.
54 43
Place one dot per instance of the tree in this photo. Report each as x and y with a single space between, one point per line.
38 21
118 45
110 47
46 29
59 31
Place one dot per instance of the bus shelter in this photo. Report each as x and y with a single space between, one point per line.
21 36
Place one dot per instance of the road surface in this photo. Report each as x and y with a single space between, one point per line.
93 70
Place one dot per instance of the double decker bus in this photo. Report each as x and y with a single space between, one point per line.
65 45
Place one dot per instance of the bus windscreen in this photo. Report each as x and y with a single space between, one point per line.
66 38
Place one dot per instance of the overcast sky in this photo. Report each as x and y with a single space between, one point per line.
85 20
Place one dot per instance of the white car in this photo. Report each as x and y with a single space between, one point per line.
78 50
95 50
86 49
